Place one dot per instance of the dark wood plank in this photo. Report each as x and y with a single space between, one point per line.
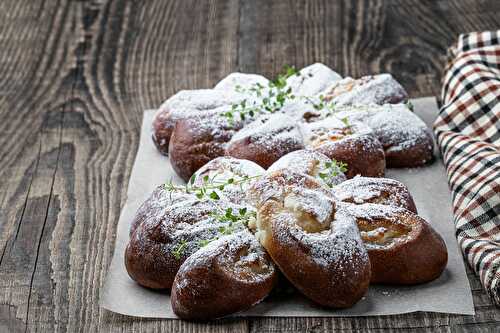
75 78
38 40
135 54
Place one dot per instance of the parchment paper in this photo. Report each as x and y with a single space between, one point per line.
428 185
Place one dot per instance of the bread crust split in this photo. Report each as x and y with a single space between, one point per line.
317 247
330 237
403 248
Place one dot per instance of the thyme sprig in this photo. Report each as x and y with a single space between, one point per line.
270 99
179 250
207 188
322 105
327 107
273 99
409 105
331 170
242 217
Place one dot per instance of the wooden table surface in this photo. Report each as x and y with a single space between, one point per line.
75 77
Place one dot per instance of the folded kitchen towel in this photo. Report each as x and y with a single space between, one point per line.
468 134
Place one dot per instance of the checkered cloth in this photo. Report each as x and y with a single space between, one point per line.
468 134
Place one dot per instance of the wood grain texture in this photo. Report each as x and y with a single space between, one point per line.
75 77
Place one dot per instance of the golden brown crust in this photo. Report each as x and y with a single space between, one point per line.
406 139
185 104
156 204
148 263
227 276
403 247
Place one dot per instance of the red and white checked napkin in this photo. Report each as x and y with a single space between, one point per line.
468 134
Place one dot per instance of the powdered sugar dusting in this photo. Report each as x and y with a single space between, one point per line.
242 80
312 80
356 101
311 163
275 130
371 211
302 198
190 222
385 191
311 202
332 129
321 220
336 246
237 253
396 127
377 89
221 169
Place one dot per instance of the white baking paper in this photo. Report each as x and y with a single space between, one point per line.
449 294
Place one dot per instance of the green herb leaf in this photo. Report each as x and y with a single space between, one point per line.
214 195
179 249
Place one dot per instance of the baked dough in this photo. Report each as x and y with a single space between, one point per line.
385 191
403 247
228 275
312 163
315 245
396 136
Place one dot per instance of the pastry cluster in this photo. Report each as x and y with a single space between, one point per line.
219 242
283 178
365 123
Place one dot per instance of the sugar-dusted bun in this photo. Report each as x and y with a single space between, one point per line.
353 144
235 82
185 104
317 247
350 142
311 163
156 205
222 169
403 247
163 125
385 191
163 240
198 140
406 139
378 89
363 155
266 139
312 80
226 276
